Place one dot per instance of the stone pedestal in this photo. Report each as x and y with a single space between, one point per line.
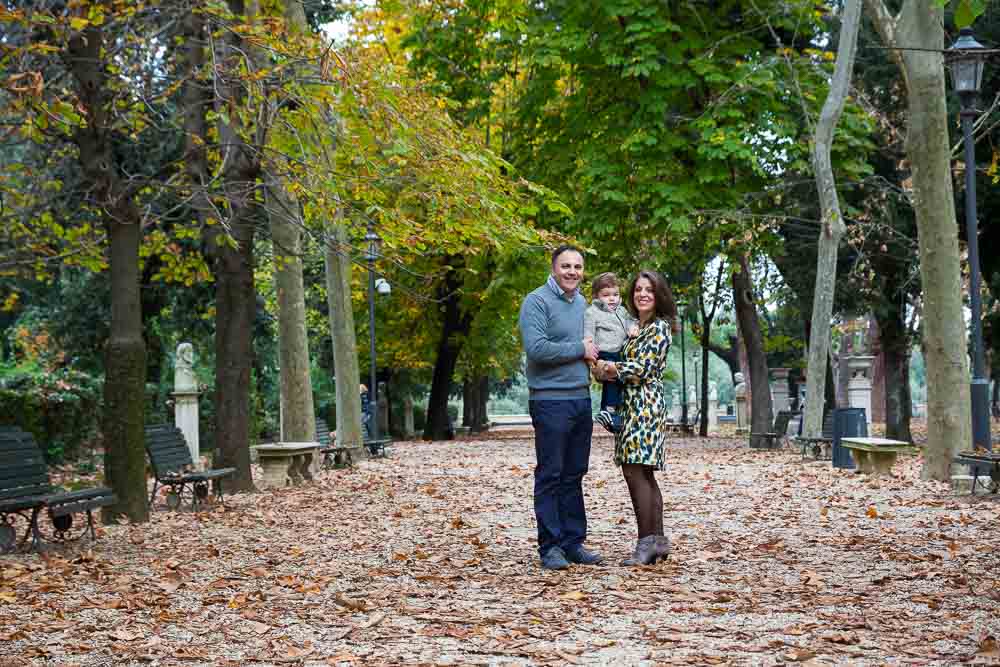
779 389
859 386
186 400
675 409
186 419
740 393
287 463
713 406
692 402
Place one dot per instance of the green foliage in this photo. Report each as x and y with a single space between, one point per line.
59 407
966 11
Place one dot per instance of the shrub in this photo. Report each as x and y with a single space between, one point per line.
61 408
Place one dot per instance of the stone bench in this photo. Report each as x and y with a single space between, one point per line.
287 463
875 456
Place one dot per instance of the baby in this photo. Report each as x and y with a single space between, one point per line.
608 324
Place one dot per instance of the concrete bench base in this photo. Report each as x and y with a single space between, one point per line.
876 456
287 463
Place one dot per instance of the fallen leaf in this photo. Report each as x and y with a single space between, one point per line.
799 655
573 595
356 605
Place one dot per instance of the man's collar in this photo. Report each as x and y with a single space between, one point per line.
555 287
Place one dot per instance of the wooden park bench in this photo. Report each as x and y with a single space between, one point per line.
875 456
979 459
820 448
335 456
25 492
777 436
172 467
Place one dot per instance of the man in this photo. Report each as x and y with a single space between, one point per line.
551 323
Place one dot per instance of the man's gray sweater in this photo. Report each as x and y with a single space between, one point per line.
552 333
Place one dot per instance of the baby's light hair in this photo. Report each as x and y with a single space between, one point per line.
603 280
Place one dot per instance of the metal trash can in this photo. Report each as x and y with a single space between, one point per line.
847 423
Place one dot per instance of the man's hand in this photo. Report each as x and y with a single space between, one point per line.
589 349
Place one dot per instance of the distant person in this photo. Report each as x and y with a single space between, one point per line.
366 411
609 324
551 323
639 446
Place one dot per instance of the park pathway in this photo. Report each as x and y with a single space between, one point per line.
427 557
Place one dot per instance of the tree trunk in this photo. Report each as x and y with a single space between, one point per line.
895 344
920 27
454 327
707 317
832 228
483 417
298 419
761 411
125 352
235 297
877 350
475 394
345 346
470 401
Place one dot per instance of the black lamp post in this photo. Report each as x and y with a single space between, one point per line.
374 243
967 59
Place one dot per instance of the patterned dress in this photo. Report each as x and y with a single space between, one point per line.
643 434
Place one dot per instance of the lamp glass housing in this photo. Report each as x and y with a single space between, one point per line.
374 244
967 62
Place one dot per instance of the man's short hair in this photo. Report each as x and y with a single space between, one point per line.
607 279
564 248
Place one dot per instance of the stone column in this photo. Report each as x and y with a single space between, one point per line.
713 406
779 389
186 400
692 399
675 410
859 386
740 393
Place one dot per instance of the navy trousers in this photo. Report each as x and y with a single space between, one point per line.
562 452
611 391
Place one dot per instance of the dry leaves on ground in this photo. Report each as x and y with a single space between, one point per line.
428 557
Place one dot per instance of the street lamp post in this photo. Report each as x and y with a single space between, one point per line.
967 59
374 242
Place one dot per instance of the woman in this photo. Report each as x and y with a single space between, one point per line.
639 446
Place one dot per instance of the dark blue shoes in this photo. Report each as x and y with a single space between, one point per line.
557 559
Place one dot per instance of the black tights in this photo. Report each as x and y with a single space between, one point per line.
647 502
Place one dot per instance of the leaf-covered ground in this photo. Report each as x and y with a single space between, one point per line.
428 557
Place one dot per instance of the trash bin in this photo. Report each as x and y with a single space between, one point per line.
847 423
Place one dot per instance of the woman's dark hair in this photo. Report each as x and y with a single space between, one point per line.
666 307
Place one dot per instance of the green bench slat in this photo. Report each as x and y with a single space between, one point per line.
198 476
25 485
37 488
22 503
82 505
171 459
